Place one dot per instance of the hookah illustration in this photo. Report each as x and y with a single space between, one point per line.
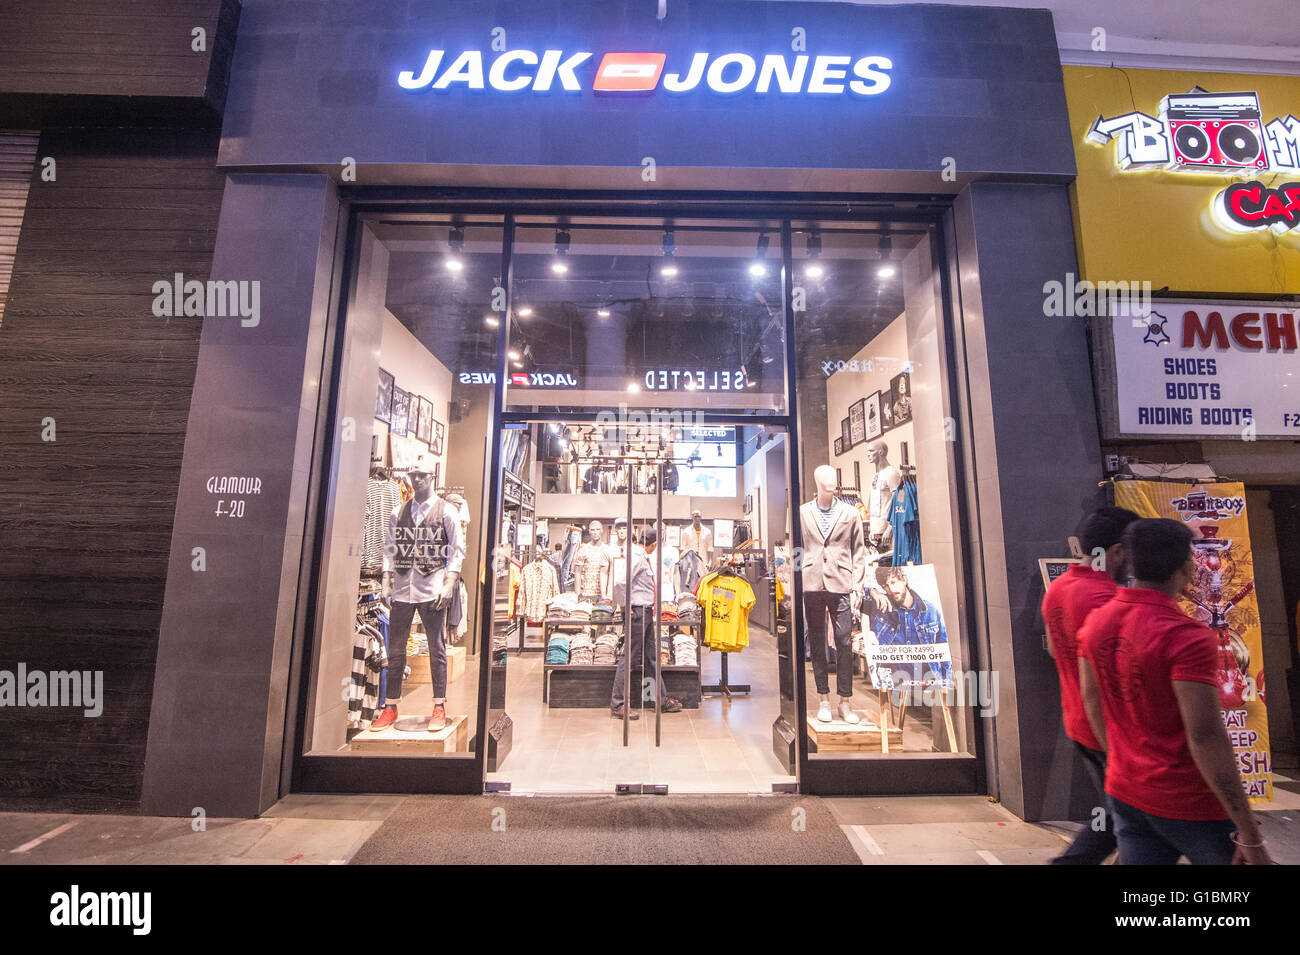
1213 558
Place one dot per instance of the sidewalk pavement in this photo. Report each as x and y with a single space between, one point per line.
307 829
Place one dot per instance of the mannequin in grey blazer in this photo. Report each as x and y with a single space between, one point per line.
834 569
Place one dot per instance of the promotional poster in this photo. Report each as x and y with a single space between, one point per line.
904 637
1223 598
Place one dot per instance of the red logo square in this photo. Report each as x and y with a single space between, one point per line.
629 72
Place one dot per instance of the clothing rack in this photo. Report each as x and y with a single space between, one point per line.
724 684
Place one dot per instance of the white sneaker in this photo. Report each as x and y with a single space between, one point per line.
824 712
847 714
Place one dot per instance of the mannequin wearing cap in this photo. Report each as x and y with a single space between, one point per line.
834 569
698 538
424 548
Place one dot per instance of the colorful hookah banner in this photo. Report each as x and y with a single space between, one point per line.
1223 598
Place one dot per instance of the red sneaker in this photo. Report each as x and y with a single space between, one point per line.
386 719
438 719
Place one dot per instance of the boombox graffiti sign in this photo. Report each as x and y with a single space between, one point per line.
1201 132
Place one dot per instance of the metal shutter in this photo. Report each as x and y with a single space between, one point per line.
17 161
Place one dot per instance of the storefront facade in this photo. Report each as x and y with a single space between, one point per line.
868 143
1188 237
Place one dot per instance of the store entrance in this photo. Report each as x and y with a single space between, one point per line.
669 684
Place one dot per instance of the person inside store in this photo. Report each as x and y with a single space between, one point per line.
1148 676
1069 601
640 645
834 569
423 552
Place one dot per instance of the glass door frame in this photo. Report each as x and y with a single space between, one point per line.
899 773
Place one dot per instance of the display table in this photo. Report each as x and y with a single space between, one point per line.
453 738
841 737
588 685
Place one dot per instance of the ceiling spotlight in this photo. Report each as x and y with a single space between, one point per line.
758 269
886 271
751 383
669 270
603 312
559 266
517 364
525 312
491 321
456 241
814 268
514 355
633 387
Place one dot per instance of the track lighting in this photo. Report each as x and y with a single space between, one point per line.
814 268
669 268
757 269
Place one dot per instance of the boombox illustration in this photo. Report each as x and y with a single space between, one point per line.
1215 129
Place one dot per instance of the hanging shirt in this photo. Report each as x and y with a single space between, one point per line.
905 524
726 600
687 571
382 496
539 584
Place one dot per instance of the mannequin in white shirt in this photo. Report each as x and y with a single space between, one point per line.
883 486
698 538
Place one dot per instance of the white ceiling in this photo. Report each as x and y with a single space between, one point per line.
1245 36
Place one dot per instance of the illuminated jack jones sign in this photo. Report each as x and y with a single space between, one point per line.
513 71
1200 132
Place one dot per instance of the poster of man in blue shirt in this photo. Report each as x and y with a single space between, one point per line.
911 642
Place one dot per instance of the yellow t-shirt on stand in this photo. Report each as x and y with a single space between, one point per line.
725 603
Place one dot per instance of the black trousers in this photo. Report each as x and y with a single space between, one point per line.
1091 847
817 605
642 649
399 629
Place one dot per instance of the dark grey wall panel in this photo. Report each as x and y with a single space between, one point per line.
85 520
104 62
1037 464
217 721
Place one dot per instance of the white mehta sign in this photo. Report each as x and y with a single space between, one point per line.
1213 370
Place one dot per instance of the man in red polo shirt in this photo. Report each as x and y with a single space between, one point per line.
1148 675
1069 600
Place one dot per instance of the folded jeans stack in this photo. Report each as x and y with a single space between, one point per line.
557 651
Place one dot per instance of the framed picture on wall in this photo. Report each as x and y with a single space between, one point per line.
839 446
397 424
424 421
384 396
846 435
435 446
858 421
886 412
900 397
874 429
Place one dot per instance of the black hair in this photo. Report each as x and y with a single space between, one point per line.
649 537
1104 528
1157 547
